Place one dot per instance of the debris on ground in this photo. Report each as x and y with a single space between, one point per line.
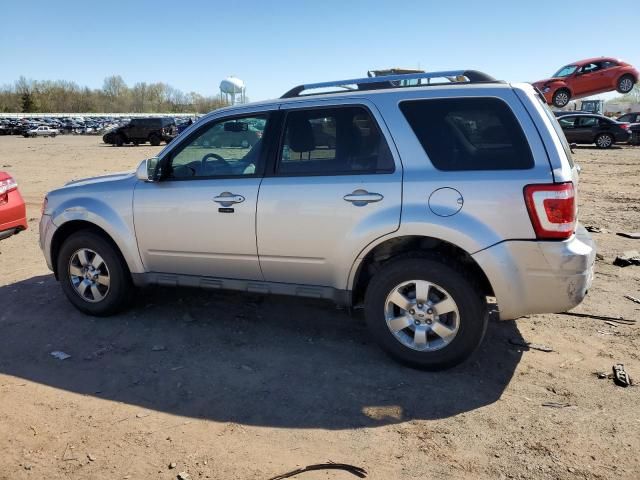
60 355
529 345
630 257
557 405
632 298
620 376
609 320
172 465
357 471
603 375
158 348
91 458
594 229
184 476
599 256
634 235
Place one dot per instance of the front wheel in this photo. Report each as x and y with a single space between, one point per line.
93 275
425 313
561 97
625 84
604 140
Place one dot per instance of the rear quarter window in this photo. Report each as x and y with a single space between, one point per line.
469 134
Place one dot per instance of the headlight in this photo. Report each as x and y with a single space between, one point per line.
546 89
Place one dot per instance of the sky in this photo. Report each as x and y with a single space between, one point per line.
274 45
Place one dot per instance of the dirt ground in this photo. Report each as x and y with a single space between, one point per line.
239 386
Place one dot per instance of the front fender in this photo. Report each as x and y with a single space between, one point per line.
117 223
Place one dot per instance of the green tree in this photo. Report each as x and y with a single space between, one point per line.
28 104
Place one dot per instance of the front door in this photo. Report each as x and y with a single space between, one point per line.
199 219
335 187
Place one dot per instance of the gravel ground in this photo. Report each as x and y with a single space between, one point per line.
238 386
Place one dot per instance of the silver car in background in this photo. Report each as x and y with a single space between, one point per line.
424 201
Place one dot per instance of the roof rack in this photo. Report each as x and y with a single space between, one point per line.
394 81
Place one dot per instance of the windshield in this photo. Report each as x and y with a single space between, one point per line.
565 71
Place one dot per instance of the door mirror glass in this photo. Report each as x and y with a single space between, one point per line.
147 170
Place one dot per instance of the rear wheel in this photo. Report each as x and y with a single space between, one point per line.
425 313
93 275
155 140
561 97
625 83
604 140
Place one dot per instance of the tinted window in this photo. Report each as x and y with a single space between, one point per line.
231 147
587 122
333 141
469 134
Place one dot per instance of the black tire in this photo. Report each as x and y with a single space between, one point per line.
470 302
604 140
119 140
625 83
561 97
120 289
154 139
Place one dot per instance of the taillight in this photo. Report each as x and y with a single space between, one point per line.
7 185
552 209
626 126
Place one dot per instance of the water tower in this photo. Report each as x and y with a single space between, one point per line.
233 90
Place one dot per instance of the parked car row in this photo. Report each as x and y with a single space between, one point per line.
72 125
64 125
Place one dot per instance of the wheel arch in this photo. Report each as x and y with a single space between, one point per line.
377 255
73 226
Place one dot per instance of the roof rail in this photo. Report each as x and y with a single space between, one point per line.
394 81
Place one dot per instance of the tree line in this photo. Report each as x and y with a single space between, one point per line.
115 96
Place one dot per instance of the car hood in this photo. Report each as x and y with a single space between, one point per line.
547 81
112 177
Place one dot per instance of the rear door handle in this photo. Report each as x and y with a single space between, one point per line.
227 199
360 198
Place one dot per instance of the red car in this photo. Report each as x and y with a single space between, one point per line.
13 214
587 77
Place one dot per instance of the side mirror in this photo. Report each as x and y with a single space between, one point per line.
147 171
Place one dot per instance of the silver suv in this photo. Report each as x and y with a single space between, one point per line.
423 197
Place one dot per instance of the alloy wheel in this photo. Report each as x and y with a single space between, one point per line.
604 141
422 315
89 275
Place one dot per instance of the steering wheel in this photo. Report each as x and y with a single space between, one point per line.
217 158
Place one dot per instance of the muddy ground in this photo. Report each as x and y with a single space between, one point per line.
239 386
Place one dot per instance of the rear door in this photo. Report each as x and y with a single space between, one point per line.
335 186
586 129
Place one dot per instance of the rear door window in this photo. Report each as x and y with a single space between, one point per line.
333 141
469 134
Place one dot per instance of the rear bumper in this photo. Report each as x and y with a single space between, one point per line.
539 276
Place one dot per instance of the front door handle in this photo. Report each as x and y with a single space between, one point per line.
226 199
360 198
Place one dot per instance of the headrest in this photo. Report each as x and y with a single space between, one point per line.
300 132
